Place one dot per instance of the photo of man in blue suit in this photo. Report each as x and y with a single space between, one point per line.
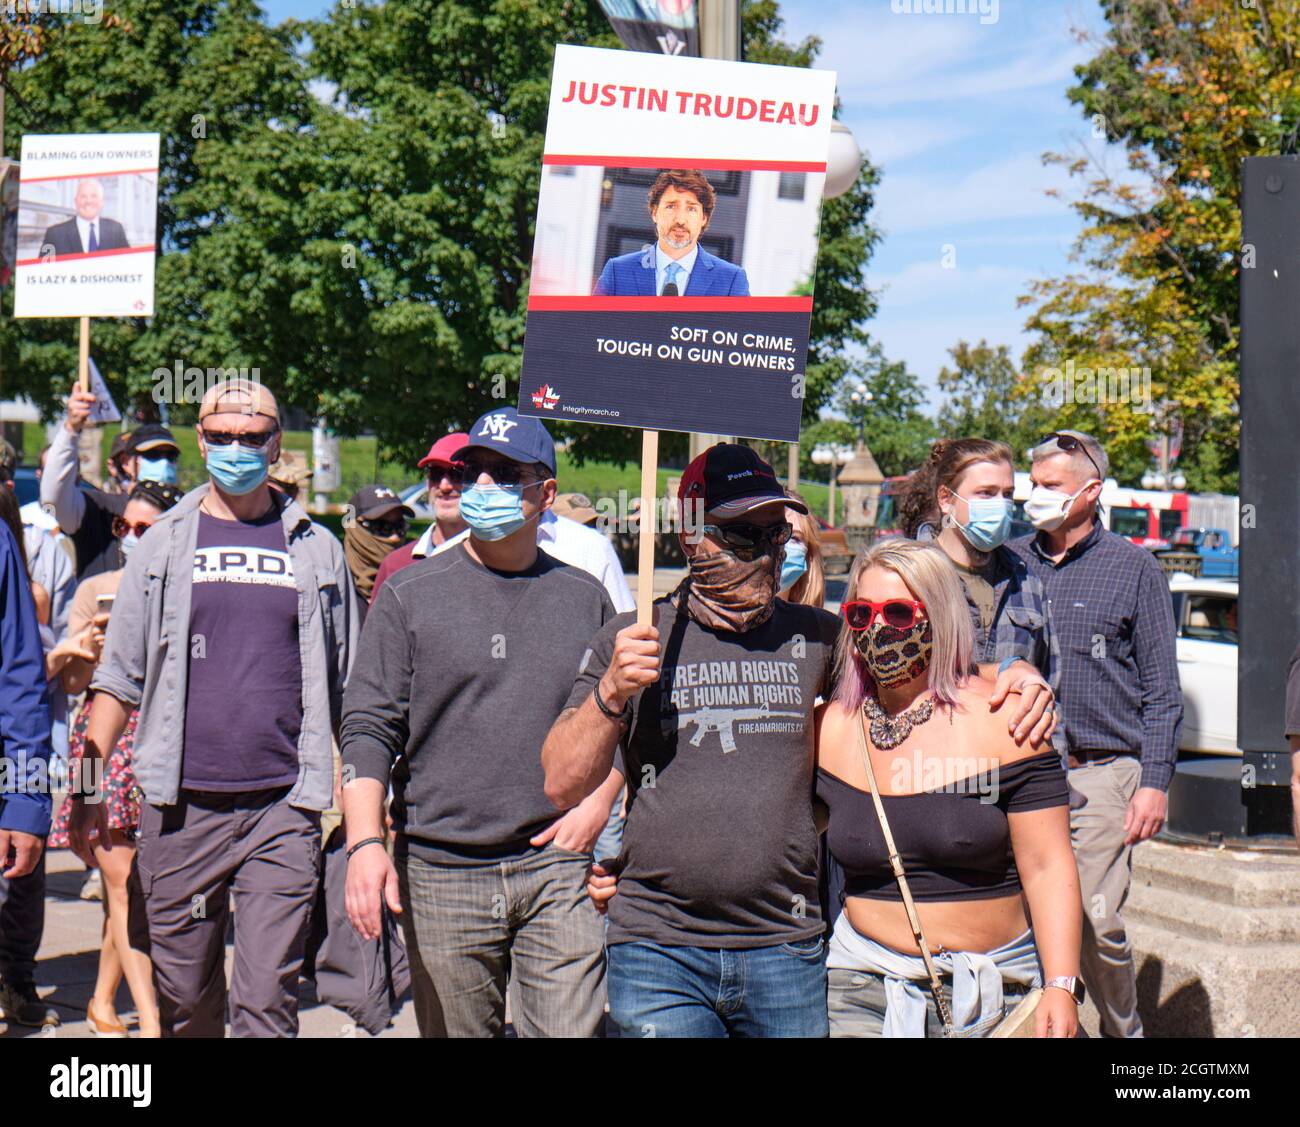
681 204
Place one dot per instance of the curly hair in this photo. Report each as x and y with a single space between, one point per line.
949 459
683 180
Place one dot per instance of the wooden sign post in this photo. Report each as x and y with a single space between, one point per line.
645 569
83 358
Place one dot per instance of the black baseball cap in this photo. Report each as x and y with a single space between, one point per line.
375 500
150 437
121 444
519 437
731 480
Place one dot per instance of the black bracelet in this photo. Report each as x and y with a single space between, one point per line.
620 717
363 841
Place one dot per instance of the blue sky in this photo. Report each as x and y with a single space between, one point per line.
957 113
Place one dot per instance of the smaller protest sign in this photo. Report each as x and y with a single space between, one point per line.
87 218
105 409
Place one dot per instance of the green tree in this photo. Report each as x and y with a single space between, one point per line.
897 432
207 77
347 204
988 398
1189 88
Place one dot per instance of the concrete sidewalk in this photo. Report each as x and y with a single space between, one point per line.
69 960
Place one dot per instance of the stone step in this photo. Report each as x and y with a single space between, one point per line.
1191 987
1187 913
1240 878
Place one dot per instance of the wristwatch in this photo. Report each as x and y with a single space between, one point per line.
1072 986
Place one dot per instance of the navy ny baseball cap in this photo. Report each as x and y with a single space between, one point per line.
518 437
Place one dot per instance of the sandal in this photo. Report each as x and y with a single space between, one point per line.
102 1028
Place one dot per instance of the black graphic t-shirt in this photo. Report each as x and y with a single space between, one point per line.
720 848
243 709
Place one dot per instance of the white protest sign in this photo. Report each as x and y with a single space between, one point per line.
87 224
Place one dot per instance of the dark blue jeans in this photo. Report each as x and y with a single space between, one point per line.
22 922
775 991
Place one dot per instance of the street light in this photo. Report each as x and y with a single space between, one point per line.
843 161
861 397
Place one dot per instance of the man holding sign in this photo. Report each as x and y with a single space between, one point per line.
712 709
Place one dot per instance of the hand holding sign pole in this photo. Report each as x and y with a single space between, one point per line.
83 356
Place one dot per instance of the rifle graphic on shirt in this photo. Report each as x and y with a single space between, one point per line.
723 721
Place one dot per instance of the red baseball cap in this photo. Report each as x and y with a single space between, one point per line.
440 453
731 480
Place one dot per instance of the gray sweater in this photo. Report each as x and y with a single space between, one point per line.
460 674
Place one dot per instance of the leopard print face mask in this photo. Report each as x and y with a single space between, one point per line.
893 655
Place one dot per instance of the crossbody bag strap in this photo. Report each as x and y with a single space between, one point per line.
896 864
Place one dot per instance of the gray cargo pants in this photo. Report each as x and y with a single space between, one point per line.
192 859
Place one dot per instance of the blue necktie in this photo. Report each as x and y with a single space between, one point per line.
673 272
94 242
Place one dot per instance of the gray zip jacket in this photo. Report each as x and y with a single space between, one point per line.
146 655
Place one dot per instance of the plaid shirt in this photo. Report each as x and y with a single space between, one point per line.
1115 671
1021 627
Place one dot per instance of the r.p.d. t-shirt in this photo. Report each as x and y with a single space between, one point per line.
720 847
243 709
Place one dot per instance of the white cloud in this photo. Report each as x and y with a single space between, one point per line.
893 139
1009 189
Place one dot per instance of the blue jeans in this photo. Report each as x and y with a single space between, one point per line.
777 991
22 923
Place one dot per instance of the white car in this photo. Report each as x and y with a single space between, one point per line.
416 498
1205 613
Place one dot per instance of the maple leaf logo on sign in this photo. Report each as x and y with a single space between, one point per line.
546 397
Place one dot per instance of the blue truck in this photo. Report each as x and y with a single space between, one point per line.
1207 553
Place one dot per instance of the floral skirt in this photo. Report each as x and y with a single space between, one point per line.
121 792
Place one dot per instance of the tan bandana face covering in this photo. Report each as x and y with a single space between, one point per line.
725 592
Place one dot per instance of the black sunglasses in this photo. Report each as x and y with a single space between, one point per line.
501 473
246 438
393 527
751 537
1070 445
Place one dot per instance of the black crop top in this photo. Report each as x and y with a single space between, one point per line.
955 843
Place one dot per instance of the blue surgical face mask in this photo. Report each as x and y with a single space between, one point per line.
237 469
127 543
157 469
793 566
990 522
493 512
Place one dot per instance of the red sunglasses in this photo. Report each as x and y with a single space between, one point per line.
898 613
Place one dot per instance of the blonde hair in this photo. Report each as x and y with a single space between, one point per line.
934 582
810 590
